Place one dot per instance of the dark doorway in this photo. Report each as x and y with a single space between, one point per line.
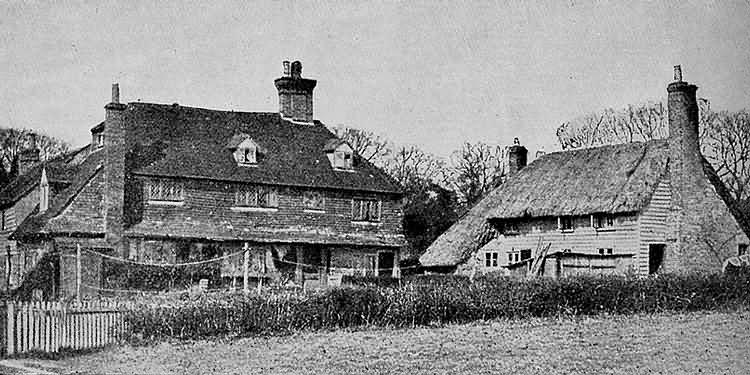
655 257
385 263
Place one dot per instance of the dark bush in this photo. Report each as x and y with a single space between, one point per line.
425 300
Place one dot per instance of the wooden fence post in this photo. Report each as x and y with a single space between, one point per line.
11 328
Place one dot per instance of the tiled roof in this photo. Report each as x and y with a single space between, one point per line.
178 141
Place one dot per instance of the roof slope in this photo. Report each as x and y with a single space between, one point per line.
613 178
59 171
84 193
179 141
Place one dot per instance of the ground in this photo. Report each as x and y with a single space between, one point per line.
709 343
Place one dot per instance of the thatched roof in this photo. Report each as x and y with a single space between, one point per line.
611 179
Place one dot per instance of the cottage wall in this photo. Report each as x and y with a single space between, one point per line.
654 224
622 238
14 215
212 202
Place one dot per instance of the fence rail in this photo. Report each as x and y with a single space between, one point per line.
51 326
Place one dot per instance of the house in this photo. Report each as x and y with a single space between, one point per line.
640 208
165 184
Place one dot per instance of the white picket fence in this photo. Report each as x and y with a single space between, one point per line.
52 326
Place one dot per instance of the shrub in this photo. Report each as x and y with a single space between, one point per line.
426 300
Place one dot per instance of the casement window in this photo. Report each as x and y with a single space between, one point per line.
603 221
342 159
741 249
565 223
256 196
490 259
246 155
608 251
371 264
366 210
515 256
314 200
99 140
165 191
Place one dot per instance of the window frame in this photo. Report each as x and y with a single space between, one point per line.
309 196
742 249
603 222
256 198
165 191
4 220
562 220
491 259
366 215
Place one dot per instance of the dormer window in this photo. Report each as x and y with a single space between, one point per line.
244 150
99 140
340 154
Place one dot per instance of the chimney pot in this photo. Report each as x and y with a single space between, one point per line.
678 73
115 93
296 69
287 72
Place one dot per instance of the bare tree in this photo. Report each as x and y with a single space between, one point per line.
726 144
366 144
475 170
412 167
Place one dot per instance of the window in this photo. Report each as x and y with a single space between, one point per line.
565 223
490 259
165 191
607 251
366 210
245 155
741 249
314 201
3 225
371 264
342 159
260 197
99 140
602 221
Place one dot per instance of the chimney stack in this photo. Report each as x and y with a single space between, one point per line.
115 149
684 147
295 93
517 157
29 156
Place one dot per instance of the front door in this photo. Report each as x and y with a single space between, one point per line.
385 263
655 257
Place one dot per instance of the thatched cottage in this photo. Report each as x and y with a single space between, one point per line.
165 183
639 208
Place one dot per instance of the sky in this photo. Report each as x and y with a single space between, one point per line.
433 74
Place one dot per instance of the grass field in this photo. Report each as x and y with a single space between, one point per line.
708 343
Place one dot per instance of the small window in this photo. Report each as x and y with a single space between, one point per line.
741 249
314 200
246 155
165 190
342 160
490 259
366 210
3 225
603 221
99 138
261 197
565 223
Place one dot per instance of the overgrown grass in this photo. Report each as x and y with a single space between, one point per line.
429 300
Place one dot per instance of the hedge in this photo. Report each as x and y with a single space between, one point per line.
429 300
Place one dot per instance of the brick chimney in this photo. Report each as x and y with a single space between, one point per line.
115 148
29 156
295 93
517 157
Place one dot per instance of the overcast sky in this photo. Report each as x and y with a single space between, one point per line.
433 74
